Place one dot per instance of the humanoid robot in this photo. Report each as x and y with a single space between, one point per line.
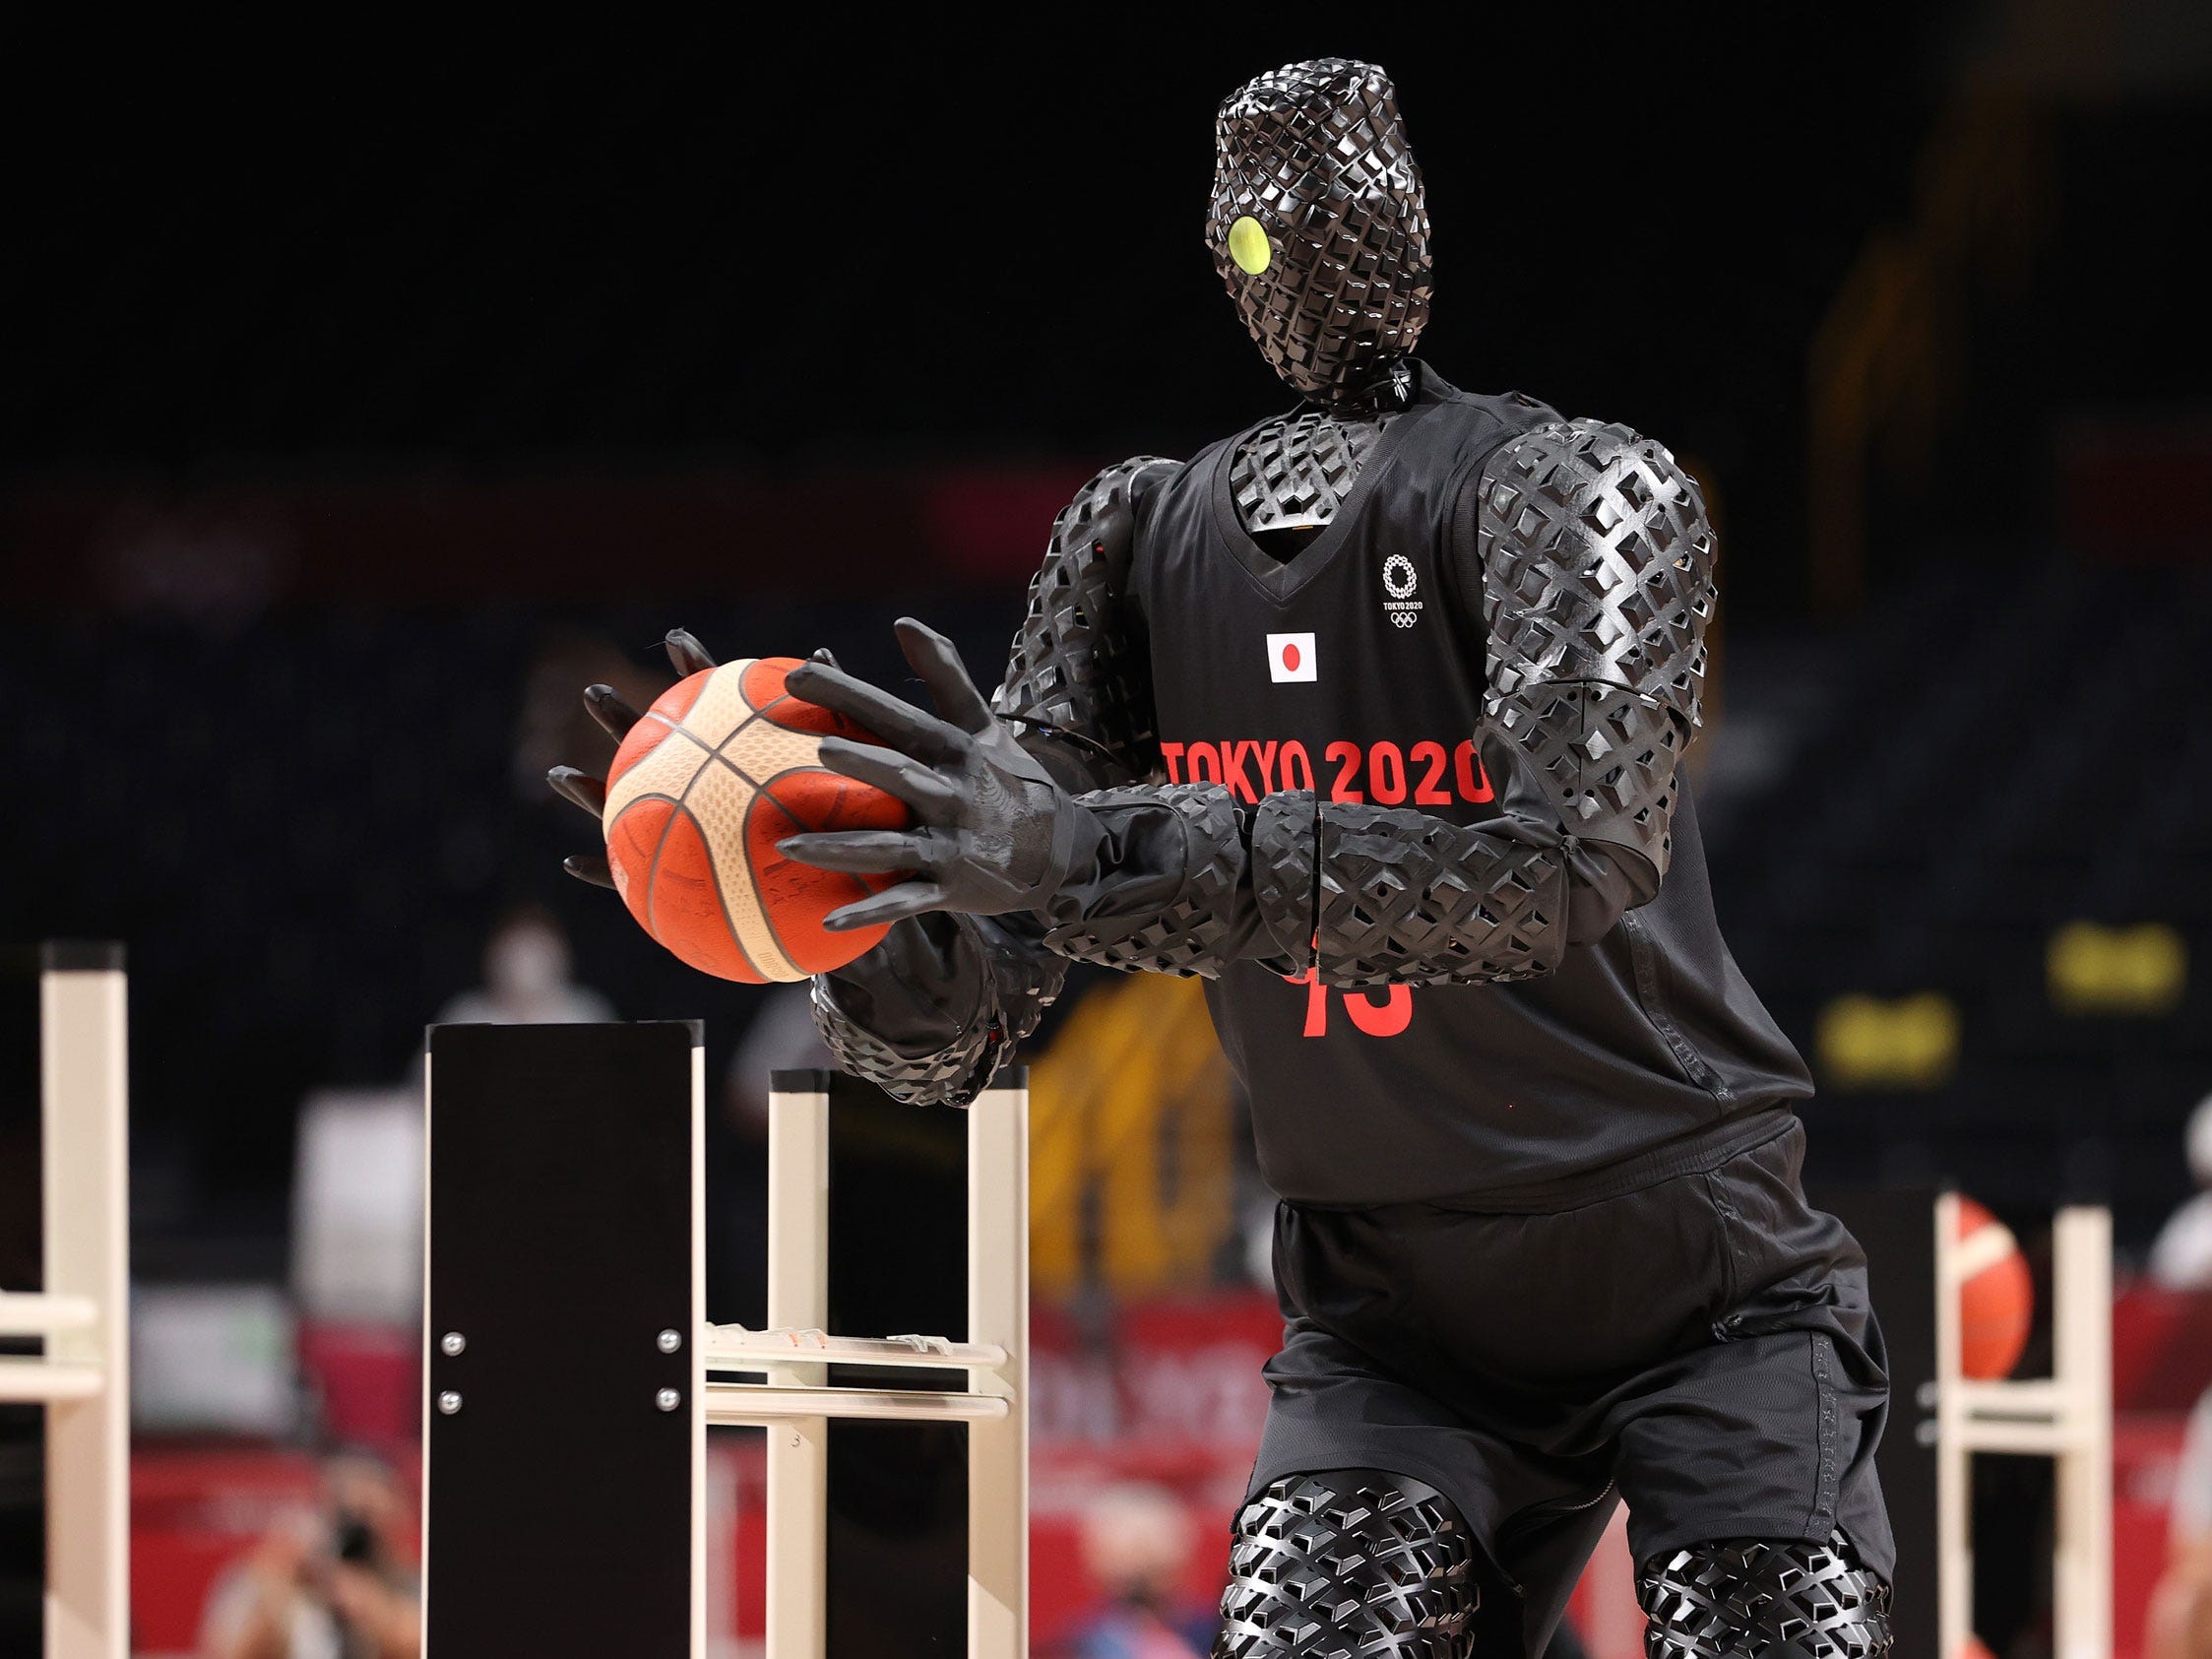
1373 716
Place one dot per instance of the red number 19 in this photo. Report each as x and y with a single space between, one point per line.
1387 1018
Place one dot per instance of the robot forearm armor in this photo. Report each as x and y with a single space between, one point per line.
1171 890
1397 897
1188 881
952 1075
932 1014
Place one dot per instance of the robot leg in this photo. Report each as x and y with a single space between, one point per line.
1348 1561
1760 1599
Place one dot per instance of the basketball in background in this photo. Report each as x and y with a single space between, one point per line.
1996 1294
724 765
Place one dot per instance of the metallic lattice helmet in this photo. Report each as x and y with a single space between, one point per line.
1318 226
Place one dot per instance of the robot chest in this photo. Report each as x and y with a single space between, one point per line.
1293 474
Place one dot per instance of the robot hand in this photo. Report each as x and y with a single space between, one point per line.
993 833
615 717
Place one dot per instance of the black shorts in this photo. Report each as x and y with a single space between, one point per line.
1701 1348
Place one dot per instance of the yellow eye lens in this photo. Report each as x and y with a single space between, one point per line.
1247 245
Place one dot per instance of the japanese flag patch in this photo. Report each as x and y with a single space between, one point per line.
1290 657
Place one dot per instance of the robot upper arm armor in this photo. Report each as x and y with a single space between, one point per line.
1597 580
1078 668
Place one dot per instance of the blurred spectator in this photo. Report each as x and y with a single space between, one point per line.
2179 1623
2181 1257
525 978
325 1583
1137 1544
554 726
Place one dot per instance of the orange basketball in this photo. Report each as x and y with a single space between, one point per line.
1996 1294
723 767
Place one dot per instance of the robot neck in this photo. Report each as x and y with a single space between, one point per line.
1387 387
1289 478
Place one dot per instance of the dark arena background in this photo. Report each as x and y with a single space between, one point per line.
367 394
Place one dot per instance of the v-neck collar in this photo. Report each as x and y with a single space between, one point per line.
1279 579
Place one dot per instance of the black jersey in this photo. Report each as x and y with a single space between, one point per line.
1355 668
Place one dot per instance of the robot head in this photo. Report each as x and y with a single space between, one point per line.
1318 226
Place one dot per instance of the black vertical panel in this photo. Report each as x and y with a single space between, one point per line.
898 1492
1897 1229
559 1495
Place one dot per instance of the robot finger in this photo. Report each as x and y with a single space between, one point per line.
615 717
687 655
586 793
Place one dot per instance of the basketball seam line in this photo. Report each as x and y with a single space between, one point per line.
679 727
653 873
721 903
752 875
762 792
761 713
717 751
614 778
759 790
681 803
738 731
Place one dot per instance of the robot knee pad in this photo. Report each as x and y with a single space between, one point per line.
1758 1599
1348 1561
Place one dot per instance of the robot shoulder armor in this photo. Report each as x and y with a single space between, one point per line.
1571 492
1078 663
1596 555
1098 526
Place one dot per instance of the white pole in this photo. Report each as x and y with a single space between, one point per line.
26 1314
697 1390
753 1402
2081 1319
1954 1487
43 1383
423 1586
798 1296
734 1348
998 1316
2066 1418
86 1199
